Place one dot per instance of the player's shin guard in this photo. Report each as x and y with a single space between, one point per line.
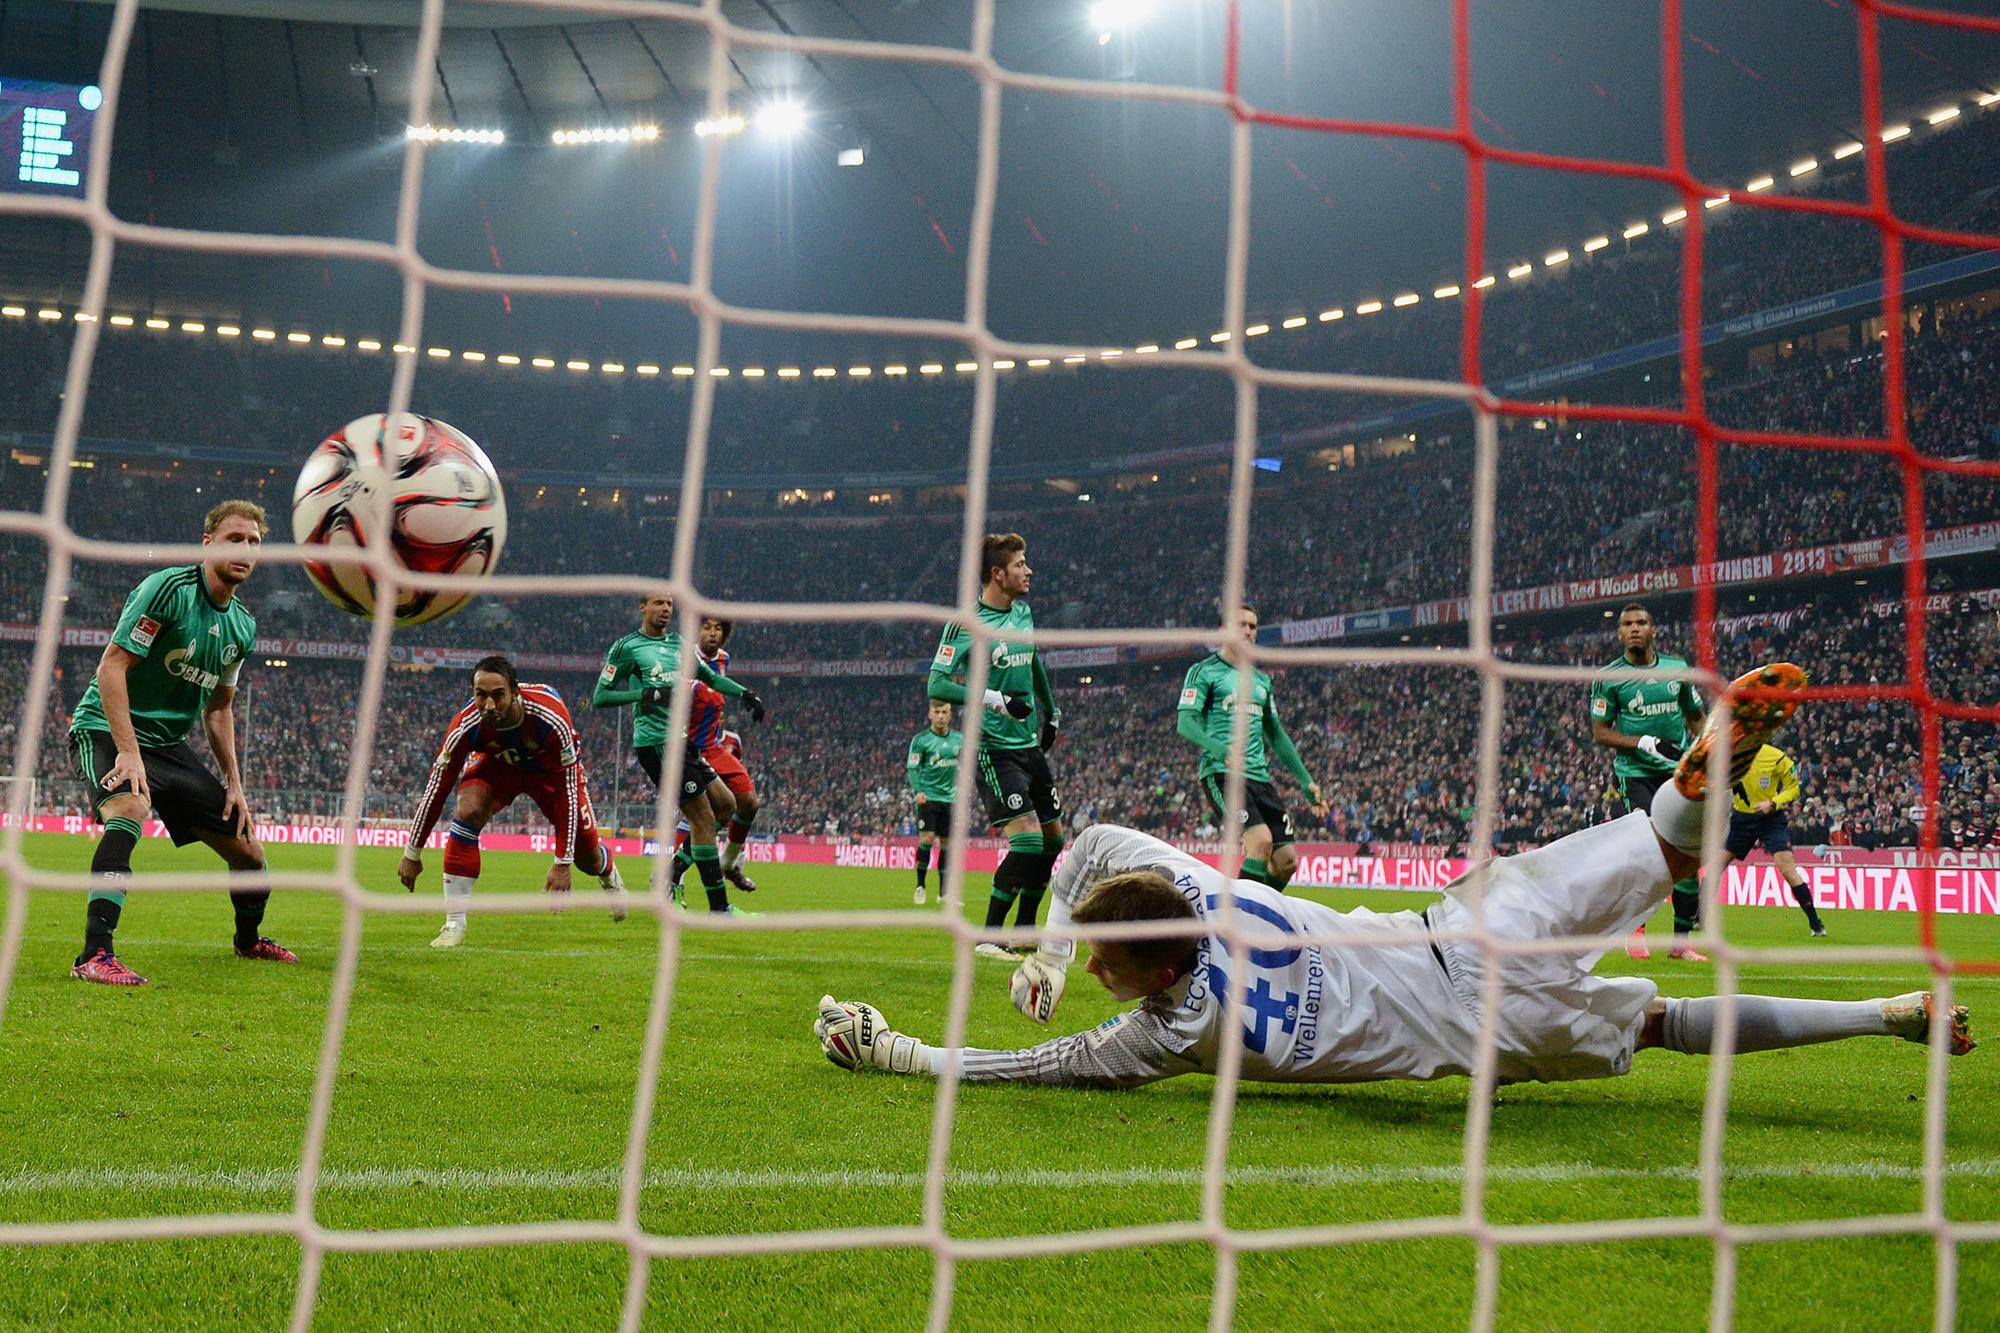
111 863
1032 893
739 831
457 893
249 905
923 863
1802 895
1015 872
708 864
1764 1023
1687 906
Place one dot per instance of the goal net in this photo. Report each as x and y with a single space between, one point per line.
1231 358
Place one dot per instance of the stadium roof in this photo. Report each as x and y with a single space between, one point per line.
273 116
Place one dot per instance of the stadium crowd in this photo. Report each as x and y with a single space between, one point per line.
1575 499
1393 747
165 386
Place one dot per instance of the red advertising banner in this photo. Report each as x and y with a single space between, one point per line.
1843 879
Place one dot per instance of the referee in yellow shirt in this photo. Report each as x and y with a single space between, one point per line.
1759 816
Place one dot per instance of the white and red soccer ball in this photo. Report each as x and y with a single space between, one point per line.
429 488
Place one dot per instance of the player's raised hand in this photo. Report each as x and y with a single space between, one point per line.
1037 988
754 704
1315 802
855 1035
408 869
129 766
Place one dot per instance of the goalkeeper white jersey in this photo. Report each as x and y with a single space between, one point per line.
1379 999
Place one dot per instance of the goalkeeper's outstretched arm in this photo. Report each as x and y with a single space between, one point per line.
1131 1049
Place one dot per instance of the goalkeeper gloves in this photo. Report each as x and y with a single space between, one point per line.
1037 987
656 696
754 704
1659 749
854 1034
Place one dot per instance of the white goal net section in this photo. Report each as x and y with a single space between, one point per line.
1211 1228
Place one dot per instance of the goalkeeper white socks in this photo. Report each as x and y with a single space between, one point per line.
1764 1023
457 893
1677 820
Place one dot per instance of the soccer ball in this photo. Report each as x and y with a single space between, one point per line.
428 482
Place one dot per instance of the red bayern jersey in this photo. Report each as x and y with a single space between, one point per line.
732 744
705 708
543 745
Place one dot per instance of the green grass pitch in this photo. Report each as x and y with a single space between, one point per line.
494 1084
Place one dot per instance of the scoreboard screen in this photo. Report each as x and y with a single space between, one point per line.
45 135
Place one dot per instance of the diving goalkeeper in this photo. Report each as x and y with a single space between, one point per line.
1408 1005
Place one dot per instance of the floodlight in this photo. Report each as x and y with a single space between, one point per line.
781 119
444 134
1108 16
725 125
606 134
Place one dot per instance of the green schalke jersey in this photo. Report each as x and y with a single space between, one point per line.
1011 671
640 660
187 646
1639 707
1209 691
933 764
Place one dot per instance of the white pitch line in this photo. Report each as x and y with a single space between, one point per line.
26 1180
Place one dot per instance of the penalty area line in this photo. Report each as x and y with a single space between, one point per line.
29 1181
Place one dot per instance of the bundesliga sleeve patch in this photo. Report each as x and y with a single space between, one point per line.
947 652
1188 697
144 630
1599 707
609 674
